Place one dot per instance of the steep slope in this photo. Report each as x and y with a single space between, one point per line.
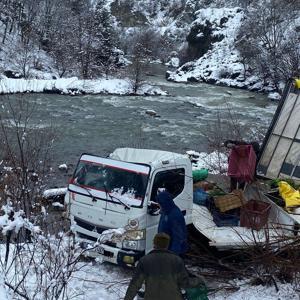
212 37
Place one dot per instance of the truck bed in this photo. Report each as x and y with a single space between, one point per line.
280 225
228 237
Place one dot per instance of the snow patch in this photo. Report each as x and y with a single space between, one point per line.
173 62
74 86
54 192
63 167
57 204
216 162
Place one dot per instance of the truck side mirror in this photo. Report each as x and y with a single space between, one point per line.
153 209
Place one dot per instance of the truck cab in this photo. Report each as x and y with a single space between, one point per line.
111 200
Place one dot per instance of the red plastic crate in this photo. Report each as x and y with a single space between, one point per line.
242 162
255 214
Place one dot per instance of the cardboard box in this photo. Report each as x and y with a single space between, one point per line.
205 185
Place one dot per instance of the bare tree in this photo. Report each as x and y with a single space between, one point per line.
40 248
143 47
25 154
269 42
43 268
228 125
60 41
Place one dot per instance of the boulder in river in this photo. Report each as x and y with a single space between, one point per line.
63 167
151 112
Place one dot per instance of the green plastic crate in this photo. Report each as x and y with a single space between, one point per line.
199 175
199 293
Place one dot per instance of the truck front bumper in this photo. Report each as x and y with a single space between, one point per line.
125 258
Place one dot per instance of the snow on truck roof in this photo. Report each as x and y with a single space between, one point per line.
147 156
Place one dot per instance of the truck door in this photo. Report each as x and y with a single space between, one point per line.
175 181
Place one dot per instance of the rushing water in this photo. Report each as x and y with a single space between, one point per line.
99 124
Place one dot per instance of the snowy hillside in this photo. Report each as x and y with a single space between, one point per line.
221 64
213 41
254 46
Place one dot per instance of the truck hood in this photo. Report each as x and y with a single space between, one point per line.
105 218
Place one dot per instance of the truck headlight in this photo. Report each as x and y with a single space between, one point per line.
135 235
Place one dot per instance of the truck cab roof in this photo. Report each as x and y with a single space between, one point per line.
154 158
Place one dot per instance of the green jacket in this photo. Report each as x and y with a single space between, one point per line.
164 275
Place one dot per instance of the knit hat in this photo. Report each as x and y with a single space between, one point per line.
161 241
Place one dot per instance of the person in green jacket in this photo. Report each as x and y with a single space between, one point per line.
163 273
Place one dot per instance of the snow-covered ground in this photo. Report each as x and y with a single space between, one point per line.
73 86
252 292
108 282
97 281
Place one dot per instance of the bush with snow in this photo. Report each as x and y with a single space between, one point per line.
36 266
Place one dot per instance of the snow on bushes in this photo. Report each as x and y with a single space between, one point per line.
74 86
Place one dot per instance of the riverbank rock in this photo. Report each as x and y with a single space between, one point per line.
55 192
173 60
12 74
274 96
63 167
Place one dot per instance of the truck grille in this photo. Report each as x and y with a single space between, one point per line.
89 226
94 228
87 237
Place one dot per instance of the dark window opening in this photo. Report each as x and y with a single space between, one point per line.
171 180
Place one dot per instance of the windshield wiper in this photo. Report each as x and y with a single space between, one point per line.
87 190
126 206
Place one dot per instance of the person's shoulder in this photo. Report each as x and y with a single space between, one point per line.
159 252
176 259
168 257
173 256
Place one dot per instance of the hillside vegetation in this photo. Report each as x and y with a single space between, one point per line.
242 43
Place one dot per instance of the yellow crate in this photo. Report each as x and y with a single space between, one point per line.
229 201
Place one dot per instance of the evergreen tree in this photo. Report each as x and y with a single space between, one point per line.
105 39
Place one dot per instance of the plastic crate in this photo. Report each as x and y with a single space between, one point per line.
242 163
230 201
228 219
199 175
197 293
255 214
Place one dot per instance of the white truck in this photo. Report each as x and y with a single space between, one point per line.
115 196
118 193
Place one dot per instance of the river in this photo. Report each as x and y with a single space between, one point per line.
99 124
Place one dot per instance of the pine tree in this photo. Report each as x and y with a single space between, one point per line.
105 39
